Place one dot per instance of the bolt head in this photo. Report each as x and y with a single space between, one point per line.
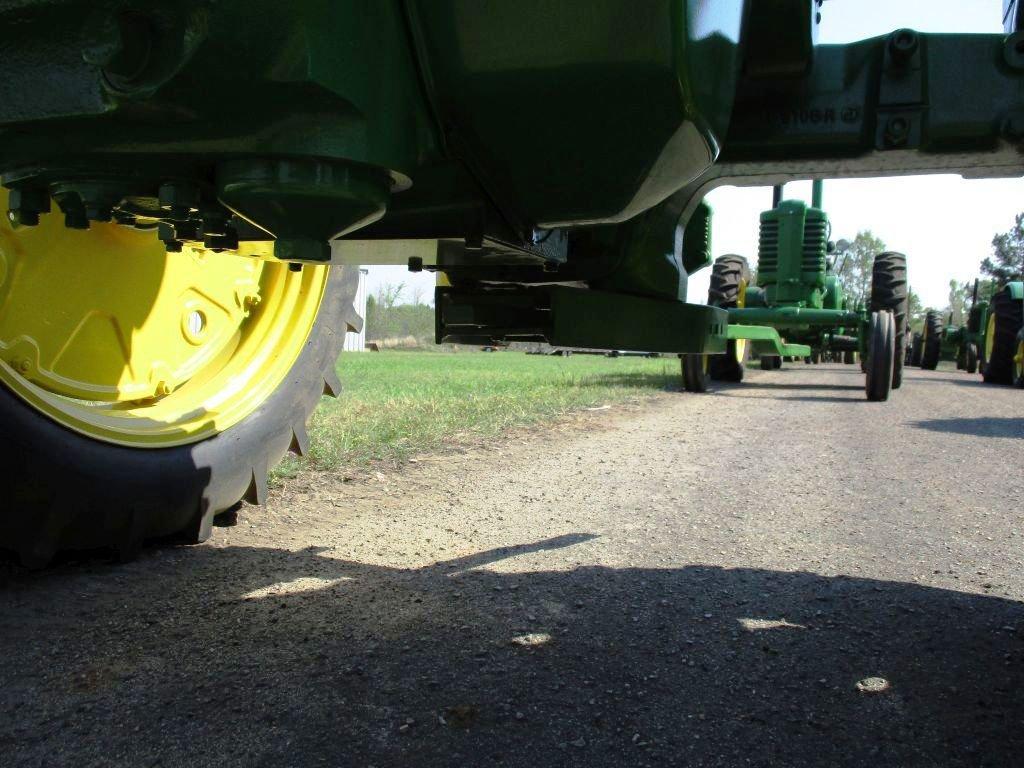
23 218
903 43
178 197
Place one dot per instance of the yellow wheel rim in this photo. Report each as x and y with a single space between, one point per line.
741 301
1018 363
990 336
108 335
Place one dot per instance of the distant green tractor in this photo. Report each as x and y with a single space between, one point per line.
1002 342
962 344
797 307
936 342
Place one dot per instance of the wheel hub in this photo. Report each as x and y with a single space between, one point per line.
108 334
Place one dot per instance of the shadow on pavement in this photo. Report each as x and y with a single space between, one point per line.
784 387
780 391
991 426
246 656
802 398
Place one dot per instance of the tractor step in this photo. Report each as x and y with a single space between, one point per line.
765 341
577 317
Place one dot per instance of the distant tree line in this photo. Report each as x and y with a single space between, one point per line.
1004 265
388 316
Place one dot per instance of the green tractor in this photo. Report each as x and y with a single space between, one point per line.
960 344
1002 338
189 185
797 307
937 341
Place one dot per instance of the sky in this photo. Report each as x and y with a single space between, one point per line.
944 224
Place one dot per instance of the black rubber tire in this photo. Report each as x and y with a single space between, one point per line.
65 491
776 363
695 377
916 349
727 275
881 355
768 363
890 291
848 357
972 358
1019 376
931 345
1008 314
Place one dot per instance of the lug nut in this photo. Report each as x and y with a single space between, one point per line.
168 234
179 199
25 206
75 218
187 230
214 223
228 241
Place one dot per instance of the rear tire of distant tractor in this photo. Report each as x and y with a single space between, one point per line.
768 363
848 357
1004 323
730 276
696 373
880 357
931 342
81 473
916 349
889 291
1018 362
972 358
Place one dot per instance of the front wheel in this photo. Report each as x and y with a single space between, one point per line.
890 292
881 353
971 358
155 390
931 344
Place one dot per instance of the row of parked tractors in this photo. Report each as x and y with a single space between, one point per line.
796 308
990 343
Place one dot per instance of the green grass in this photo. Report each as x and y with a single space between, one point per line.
399 404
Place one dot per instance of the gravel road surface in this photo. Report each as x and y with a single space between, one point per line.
776 574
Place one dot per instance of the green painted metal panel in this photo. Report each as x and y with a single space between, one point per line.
795 317
577 113
766 341
573 317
